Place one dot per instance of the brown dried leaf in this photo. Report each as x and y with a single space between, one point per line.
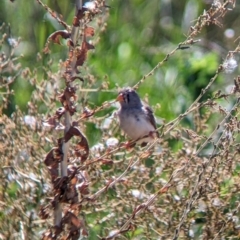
50 122
67 98
76 225
75 221
60 111
73 131
83 188
82 148
89 31
53 156
74 180
73 235
80 13
53 121
71 219
70 43
60 183
71 195
57 231
54 171
81 53
89 46
56 36
76 22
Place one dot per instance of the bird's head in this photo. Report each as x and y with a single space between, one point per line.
129 97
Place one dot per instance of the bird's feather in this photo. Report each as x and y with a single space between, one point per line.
136 119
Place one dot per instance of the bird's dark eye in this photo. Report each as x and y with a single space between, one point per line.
128 98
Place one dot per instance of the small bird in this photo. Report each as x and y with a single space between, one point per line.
136 119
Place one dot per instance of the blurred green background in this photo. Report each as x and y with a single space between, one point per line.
138 35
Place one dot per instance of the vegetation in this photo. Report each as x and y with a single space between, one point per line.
66 172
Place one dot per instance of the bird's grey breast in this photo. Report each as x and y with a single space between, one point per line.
134 122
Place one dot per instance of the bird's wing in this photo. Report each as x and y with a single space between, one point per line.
150 115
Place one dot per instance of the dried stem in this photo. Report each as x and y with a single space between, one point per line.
67 124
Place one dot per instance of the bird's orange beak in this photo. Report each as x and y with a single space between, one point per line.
120 97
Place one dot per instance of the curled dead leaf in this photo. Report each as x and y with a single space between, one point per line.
53 156
82 147
56 36
68 98
70 43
